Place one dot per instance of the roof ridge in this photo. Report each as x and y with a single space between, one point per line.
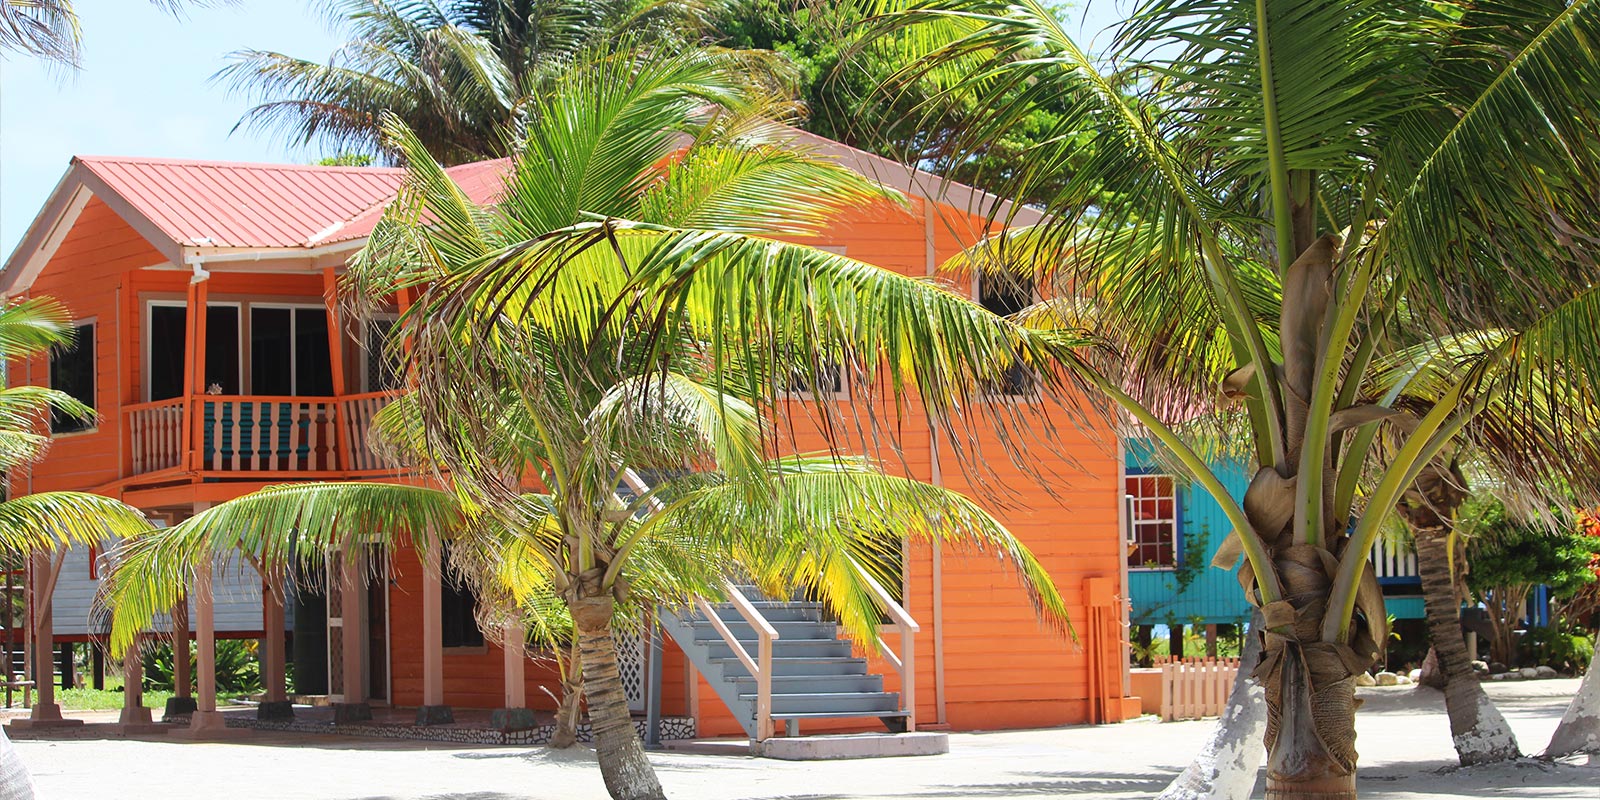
204 162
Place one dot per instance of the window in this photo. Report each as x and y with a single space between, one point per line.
832 380
72 372
1006 295
1153 521
458 615
289 351
383 365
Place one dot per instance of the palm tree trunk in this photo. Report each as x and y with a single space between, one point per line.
566 732
1226 766
627 772
1579 731
15 784
1480 733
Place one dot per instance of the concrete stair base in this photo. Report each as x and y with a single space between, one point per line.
855 745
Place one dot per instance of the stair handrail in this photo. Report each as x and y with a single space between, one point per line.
760 666
906 662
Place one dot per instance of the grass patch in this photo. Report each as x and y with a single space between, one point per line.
106 699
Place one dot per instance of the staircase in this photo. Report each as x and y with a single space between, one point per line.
813 673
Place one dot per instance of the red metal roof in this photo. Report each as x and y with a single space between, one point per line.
221 204
481 181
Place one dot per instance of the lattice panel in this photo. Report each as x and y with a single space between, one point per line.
632 666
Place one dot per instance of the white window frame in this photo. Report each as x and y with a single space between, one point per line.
1134 523
147 341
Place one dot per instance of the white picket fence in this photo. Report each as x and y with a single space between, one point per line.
1196 689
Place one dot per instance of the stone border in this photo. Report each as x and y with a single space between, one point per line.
671 728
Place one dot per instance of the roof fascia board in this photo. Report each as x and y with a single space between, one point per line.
45 234
144 226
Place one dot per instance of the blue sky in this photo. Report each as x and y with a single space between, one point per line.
145 90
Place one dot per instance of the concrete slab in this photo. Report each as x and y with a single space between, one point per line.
853 745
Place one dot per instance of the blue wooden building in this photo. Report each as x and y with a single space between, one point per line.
1173 529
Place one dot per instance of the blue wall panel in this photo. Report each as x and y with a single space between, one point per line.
1210 595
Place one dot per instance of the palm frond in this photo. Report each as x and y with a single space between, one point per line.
47 520
280 527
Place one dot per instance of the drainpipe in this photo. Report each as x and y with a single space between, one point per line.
936 476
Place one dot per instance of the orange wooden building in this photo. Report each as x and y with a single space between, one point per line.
280 387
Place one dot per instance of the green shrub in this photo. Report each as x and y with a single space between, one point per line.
1561 645
238 666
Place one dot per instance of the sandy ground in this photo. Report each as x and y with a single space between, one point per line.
1404 741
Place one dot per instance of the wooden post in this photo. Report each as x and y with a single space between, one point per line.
206 717
182 678
97 668
330 298
516 658
1175 641
133 708
276 687
194 370
1211 641
354 637
44 664
433 710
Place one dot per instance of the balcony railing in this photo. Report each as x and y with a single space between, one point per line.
1391 561
255 434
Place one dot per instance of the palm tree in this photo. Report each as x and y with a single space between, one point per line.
458 73
1509 447
49 28
1278 190
46 520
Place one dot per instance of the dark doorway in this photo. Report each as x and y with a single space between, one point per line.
167 353
310 638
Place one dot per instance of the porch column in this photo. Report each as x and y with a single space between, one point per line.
515 716
134 713
194 371
42 573
1211 641
276 704
181 703
336 338
433 710
206 717
352 589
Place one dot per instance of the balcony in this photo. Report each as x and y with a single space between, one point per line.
254 436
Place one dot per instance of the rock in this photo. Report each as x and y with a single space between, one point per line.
1403 680
1387 678
1499 676
1546 672
1528 672
1495 668
1479 666
1365 679
1414 675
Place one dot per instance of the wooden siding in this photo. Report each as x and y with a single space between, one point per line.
1211 595
237 592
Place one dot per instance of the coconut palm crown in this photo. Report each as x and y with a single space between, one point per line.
1280 193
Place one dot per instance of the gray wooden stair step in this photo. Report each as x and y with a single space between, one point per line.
792 684
781 666
839 714
830 702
